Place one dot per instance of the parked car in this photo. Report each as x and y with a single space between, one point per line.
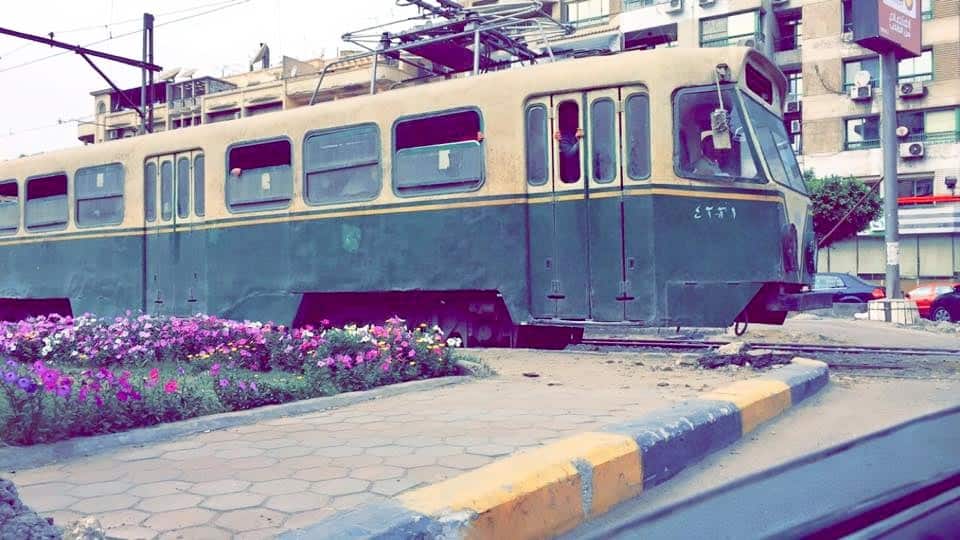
847 289
925 295
946 307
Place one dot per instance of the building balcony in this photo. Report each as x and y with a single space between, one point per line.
932 214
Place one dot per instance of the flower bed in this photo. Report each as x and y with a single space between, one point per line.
64 377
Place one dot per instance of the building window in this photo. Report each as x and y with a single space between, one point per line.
796 142
794 85
603 145
150 192
790 31
46 207
941 126
101 107
199 189
9 207
862 133
638 136
99 195
852 67
847 15
916 69
259 176
730 30
585 12
922 187
926 10
438 153
342 165
538 156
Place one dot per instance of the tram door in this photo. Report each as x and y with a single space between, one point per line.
587 261
175 264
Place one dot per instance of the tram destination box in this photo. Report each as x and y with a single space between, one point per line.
885 25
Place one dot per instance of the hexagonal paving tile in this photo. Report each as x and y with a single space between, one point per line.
413 460
132 533
273 443
431 474
219 487
180 455
439 450
264 474
241 452
121 518
100 488
206 533
38 491
49 503
288 452
305 519
392 450
394 486
96 505
357 461
355 500
279 487
327 472
340 486
250 519
155 489
377 472
464 462
492 450
155 475
339 451
179 519
297 502
164 503
233 501
259 534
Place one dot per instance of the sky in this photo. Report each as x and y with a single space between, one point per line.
43 99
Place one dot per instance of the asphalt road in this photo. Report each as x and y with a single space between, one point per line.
806 495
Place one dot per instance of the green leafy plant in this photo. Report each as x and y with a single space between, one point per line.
841 207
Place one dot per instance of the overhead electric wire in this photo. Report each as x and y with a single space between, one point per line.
233 3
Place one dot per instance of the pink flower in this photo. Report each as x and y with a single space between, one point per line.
170 387
411 353
215 369
153 378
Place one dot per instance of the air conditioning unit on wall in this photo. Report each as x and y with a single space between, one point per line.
674 6
910 90
707 3
861 93
793 106
794 127
911 150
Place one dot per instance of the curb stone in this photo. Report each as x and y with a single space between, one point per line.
549 490
28 457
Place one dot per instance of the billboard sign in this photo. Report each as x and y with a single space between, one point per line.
885 25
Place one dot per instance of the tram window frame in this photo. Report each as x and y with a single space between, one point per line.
183 186
199 186
46 226
150 191
281 175
102 189
637 145
425 137
7 209
166 189
365 165
538 145
570 161
599 147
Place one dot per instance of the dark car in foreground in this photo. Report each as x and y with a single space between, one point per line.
946 307
847 289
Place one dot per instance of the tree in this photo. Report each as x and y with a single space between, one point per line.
833 197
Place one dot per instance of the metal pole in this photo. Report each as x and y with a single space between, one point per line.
888 139
476 50
373 74
143 81
148 35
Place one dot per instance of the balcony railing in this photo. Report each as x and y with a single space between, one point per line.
941 137
729 41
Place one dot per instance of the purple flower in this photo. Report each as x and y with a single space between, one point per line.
253 386
10 376
11 363
122 396
24 383
242 385
224 383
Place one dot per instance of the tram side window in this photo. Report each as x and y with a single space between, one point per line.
569 120
342 165
150 192
183 187
166 190
537 149
438 154
99 195
9 207
46 207
199 189
638 137
260 176
603 126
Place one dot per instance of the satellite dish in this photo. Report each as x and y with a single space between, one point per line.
168 74
862 78
187 73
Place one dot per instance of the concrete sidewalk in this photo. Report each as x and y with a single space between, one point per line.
256 480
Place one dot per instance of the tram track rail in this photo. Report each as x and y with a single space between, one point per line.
707 345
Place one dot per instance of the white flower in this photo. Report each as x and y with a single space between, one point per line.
454 342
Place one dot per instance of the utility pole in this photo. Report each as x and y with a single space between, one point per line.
888 143
146 77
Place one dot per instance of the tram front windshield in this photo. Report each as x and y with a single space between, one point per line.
697 156
775 145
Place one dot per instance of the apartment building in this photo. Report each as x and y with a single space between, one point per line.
834 123
184 100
